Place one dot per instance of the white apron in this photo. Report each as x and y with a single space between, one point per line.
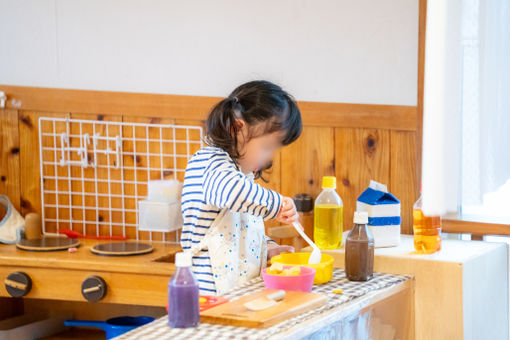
237 248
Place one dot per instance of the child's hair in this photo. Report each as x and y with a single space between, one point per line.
254 102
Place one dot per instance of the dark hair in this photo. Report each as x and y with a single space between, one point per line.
255 102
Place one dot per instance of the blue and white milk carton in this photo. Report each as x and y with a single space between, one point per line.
383 214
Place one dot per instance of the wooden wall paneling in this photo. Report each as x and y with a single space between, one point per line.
9 157
194 136
297 168
109 102
185 150
161 166
403 175
135 170
271 179
91 193
358 115
197 107
305 162
30 166
360 155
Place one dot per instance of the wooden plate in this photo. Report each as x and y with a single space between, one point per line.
48 244
121 248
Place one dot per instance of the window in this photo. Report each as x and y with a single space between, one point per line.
485 109
466 145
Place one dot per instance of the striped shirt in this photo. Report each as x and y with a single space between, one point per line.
213 182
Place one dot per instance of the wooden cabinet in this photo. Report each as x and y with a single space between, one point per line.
461 291
140 280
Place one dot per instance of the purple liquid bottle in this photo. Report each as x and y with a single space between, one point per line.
183 303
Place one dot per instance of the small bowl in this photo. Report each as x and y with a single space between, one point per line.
300 283
324 268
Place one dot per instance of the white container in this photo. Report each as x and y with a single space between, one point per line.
159 216
164 191
383 214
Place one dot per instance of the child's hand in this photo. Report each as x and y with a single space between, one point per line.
274 249
288 212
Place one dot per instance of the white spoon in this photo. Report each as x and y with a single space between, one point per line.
315 256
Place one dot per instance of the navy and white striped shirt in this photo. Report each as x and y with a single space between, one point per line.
213 182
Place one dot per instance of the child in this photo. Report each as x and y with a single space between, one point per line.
223 208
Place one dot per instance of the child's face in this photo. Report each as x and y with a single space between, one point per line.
257 153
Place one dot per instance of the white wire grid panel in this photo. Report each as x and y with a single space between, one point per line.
93 173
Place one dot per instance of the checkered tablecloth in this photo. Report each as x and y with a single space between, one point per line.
160 330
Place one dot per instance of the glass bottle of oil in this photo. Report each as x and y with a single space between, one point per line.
328 216
427 230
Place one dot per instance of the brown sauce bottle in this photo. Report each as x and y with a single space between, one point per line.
359 250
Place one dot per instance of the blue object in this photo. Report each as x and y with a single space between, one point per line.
115 326
371 196
378 221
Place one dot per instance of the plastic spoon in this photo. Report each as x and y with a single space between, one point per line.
315 256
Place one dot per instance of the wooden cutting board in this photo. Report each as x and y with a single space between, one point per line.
234 313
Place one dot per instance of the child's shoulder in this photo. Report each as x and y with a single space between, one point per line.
210 153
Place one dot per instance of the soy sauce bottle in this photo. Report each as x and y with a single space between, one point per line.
359 250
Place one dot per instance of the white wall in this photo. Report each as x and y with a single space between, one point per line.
363 51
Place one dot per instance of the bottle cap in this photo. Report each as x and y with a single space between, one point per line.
329 182
360 217
183 259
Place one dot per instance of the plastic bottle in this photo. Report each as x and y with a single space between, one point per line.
427 230
328 216
359 250
183 297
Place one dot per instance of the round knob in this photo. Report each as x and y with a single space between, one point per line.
18 284
93 288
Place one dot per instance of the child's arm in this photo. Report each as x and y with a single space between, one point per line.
226 187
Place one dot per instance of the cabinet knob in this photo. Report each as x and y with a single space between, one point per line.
18 284
93 288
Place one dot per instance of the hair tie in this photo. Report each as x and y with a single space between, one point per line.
235 99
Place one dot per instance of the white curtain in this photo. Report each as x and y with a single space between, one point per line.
494 94
466 137
441 107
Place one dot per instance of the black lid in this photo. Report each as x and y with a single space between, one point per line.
304 202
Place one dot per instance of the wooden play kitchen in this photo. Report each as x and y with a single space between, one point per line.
93 175
59 275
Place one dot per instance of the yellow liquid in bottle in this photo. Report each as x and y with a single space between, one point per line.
427 232
328 226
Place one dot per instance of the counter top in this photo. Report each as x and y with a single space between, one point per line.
455 251
160 261
356 298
